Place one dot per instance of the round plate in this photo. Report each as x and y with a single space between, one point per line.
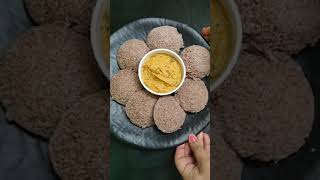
151 137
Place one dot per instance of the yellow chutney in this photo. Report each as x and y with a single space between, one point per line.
162 73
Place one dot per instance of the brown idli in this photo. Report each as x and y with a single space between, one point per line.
225 164
166 37
79 147
139 108
197 61
193 95
130 53
123 85
76 13
287 25
168 115
45 71
266 107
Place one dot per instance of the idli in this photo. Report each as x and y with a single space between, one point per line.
130 54
225 164
79 147
266 107
77 14
139 108
46 70
193 95
197 61
166 37
168 115
287 25
123 85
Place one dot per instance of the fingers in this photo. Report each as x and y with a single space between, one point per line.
201 156
206 142
179 157
206 33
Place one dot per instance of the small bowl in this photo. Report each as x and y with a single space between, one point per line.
163 51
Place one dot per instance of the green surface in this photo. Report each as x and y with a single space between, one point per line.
129 162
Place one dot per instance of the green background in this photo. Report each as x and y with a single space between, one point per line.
129 162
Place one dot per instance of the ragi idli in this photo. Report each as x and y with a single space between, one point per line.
75 13
168 115
139 108
193 95
225 164
130 53
123 85
166 37
46 70
197 61
286 25
79 147
266 107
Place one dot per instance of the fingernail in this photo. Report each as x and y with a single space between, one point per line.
192 138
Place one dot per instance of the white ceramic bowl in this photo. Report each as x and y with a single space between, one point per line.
235 20
164 51
97 23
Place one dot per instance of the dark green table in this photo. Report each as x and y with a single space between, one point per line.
130 162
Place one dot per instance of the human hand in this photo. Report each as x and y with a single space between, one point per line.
193 158
206 33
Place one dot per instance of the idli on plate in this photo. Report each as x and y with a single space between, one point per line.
287 25
225 164
166 37
123 85
197 61
193 95
45 71
75 13
168 115
139 108
79 147
130 53
266 107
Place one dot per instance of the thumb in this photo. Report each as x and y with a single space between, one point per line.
199 153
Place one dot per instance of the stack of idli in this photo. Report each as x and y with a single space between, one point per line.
168 113
74 14
287 25
51 86
265 110
266 107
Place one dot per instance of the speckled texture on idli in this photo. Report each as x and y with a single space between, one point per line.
130 53
46 70
123 85
140 107
76 13
193 95
166 37
79 147
266 107
225 164
168 114
287 25
197 61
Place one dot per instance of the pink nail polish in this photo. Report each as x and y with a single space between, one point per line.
192 138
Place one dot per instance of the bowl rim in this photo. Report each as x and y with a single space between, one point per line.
234 17
96 34
166 51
